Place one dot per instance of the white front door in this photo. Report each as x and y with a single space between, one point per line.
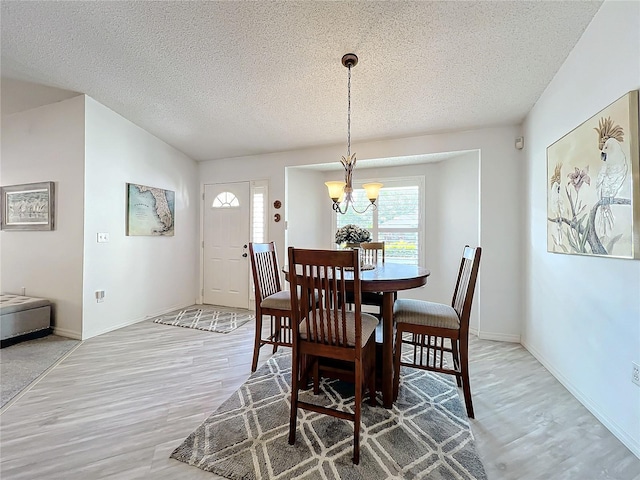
226 244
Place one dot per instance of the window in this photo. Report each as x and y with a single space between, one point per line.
225 200
258 213
258 220
397 221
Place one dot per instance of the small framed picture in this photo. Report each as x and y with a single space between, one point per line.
28 207
150 211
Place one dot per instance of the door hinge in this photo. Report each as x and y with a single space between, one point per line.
203 197
203 244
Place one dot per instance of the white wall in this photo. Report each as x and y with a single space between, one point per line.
307 221
458 223
141 276
582 315
38 145
499 289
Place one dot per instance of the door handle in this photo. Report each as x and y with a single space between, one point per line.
244 255
245 246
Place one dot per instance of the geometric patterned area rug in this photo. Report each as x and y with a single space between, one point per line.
424 435
210 318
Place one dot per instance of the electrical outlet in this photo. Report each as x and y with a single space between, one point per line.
635 373
99 296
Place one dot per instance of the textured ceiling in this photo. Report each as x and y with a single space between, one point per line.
226 79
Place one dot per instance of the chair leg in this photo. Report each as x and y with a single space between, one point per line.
304 372
396 361
466 387
456 359
316 376
295 364
358 412
467 392
371 371
258 341
276 334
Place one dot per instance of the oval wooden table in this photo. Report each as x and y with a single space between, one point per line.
389 278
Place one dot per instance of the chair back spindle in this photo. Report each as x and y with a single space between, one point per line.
267 278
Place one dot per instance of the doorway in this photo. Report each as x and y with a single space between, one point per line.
226 244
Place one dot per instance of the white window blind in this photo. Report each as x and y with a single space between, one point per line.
258 214
258 220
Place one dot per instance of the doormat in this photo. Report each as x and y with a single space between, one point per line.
210 318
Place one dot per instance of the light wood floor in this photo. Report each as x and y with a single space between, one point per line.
117 406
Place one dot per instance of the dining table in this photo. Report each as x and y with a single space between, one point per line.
388 278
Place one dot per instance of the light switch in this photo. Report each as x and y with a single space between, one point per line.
103 237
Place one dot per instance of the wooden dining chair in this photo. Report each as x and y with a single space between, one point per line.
372 252
271 300
431 323
328 331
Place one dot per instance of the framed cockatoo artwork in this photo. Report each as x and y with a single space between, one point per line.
593 185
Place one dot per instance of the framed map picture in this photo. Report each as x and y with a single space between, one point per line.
150 211
28 207
593 185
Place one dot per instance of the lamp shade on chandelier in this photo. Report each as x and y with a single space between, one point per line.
342 192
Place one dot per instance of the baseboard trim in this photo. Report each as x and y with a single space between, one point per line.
63 332
613 427
500 337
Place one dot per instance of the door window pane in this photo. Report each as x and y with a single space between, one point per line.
225 200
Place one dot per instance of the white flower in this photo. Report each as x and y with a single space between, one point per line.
352 234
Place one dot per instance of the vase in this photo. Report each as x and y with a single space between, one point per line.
351 245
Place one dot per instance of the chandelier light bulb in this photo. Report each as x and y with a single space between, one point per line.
336 189
372 189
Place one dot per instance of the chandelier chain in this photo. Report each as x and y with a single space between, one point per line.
349 114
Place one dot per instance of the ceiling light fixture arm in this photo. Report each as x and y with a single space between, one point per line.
349 202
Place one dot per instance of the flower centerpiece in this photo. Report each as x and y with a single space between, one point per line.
352 235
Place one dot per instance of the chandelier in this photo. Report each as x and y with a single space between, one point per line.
342 192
